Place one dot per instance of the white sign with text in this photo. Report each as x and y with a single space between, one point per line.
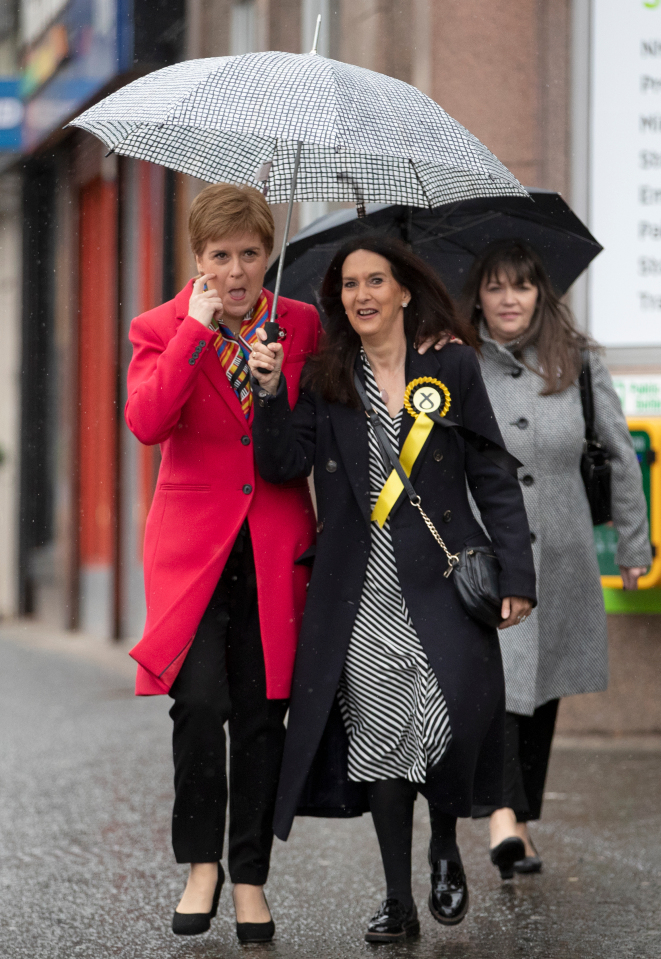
640 395
625 174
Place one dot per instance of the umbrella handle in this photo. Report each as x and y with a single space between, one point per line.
272 330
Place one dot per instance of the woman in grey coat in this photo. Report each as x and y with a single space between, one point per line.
530 360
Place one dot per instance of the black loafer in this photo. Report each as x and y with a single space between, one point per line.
256 931
195 923
506 853
448 899
393 922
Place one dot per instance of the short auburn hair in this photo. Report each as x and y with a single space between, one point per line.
225 209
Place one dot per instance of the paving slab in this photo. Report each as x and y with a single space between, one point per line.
86 868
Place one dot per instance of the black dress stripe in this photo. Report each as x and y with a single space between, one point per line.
393 708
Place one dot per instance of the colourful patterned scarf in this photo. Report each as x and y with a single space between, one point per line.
233 351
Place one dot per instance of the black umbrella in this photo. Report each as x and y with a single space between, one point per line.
448 237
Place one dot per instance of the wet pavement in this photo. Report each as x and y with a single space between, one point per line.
86 868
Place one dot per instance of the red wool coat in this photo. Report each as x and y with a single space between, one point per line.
179 397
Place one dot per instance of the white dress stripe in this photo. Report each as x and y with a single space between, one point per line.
393 708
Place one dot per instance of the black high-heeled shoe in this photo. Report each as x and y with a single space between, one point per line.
256 931
529 863
506 853
195 923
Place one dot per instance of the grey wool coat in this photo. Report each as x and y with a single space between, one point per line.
562 648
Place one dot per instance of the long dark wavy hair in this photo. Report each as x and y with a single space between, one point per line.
430 313
552 329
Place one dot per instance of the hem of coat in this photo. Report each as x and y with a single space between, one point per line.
147 684
526 708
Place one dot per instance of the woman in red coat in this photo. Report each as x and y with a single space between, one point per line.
218 539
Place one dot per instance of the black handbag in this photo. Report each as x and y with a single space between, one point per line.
596 460
476 568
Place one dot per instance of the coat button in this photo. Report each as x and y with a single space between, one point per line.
331 466
532 537
438 456
192 362
517 372
320 526
202 343
527 480
245 440
247 489
447 516
522 423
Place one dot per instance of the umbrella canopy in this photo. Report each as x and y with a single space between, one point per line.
365 137
448 238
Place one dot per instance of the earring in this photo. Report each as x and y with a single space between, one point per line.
405 304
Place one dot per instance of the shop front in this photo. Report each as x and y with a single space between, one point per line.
95 250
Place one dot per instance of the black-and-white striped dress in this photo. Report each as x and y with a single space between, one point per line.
393 708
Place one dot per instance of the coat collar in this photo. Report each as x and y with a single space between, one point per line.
497 351
210 362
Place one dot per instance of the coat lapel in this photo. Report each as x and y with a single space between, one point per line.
416 366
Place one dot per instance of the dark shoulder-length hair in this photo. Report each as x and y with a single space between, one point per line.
430 313
552 329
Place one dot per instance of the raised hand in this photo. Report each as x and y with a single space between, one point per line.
266 356
205 305
438 344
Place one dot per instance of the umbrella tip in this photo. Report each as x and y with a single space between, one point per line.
316 36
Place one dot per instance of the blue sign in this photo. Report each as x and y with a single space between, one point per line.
98 49
11 114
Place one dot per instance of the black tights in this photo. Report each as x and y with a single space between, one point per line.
391 804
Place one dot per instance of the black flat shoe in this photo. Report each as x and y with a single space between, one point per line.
195 923
393 922
448 899
256 931
506 853
529 863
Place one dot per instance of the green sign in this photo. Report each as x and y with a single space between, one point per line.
605 537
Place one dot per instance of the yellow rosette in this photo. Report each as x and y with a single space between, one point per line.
423 392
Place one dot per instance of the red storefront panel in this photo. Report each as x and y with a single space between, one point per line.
98 371
151 185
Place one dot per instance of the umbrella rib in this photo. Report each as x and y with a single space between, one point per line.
459 229
420 184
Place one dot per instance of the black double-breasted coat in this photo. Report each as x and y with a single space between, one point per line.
465 656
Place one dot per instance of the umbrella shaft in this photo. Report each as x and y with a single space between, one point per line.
281 261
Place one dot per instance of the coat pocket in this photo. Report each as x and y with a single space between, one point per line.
184 486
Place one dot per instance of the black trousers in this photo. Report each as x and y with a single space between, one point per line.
223 680
527 750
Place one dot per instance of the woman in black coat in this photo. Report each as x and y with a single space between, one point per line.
396 689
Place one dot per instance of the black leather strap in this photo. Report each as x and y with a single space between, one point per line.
488 448
587 399
384 442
